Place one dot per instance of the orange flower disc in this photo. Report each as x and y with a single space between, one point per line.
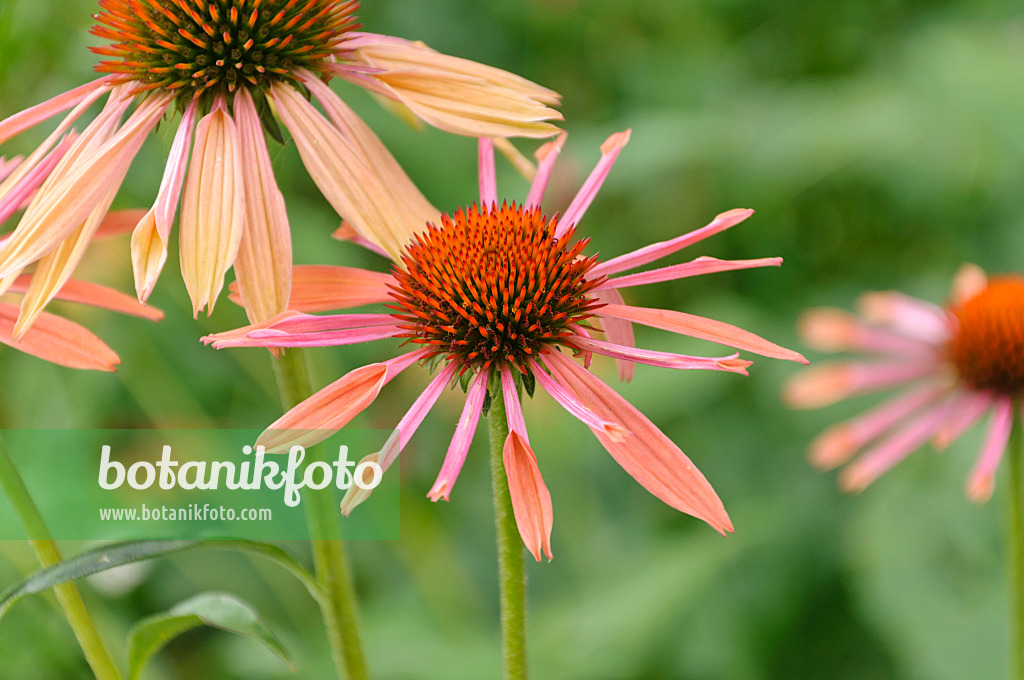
987 349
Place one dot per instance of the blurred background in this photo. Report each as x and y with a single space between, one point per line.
880 143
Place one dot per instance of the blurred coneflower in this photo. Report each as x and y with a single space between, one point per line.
499 297
235 69
957 365
54 338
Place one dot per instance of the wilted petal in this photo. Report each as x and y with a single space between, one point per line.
95 295
331 408
212 211
264 265
83 94
531 500
58 341
648 455
700 327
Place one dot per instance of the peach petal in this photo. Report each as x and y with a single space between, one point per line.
618 331
700 327
95 295
826 384
531 500
58 341
969 281
323 288
23 120
651 458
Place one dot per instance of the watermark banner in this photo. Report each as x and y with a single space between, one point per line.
202 484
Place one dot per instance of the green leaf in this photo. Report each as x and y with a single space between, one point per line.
118 554
217 610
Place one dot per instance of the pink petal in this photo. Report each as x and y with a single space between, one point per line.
585 196
974 406
869 467
907 315
25 184
982 479
311 323
488 182
656 251
322 288
698 267
461 440
58 341
546 156
618 331
31 117
648 455
834 330
700 327
825 384
331 408
531 500
410 422
731 363
268 337
577 408
513 411
837 444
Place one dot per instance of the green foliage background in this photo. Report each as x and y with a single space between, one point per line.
880 143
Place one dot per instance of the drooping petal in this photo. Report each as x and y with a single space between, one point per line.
23 120
79 183
152 233
453 94
700 327
585 196
839 443
350 179
95 295
323 288
656 251
332 407
531 500
20 189
698 267
263 268
826 384
577 408
869 467
461 440
212 209
982 479
58 341
648 455
618 331
513 410
731 363
410 422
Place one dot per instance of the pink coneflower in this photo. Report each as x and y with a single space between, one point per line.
957 364
54 338
498 296
235 69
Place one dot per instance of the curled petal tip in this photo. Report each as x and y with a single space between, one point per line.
736 365
616 141
617 433
554 146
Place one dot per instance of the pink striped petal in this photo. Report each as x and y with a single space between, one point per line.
731 363
268 337
311 323
212 209
577 408
825 384
410 422
546 156
648 455
618 331
700 327
216 339
834 330
152 235
907 315
698 267
461 440
656 251
585 196
322 288
513 410
23 120
58 341
975 404
331 408
873 464
488 181
982 478
531 500
263 268
839 443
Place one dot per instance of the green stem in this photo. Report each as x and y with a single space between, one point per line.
511 565
48 554
1017 542
332 572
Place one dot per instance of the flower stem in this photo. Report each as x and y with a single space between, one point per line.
48 554
1017 542
338 603
511 567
